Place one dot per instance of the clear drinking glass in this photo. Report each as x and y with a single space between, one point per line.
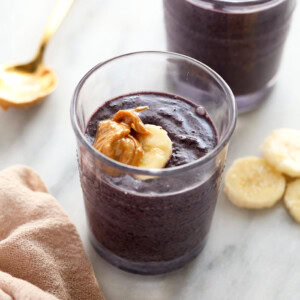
241 40
157 225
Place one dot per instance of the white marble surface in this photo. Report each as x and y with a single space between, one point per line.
249 255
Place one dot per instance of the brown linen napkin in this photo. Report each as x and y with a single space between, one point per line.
41 255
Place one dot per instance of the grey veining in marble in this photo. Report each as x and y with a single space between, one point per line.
249 255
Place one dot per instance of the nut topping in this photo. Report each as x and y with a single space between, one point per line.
115 140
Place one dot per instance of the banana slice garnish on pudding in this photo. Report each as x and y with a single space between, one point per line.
157 147
126 139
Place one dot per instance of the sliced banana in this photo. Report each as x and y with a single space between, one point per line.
157 147
282 150
292 199
252 183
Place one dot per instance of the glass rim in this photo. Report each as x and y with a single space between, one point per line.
239 6
144 171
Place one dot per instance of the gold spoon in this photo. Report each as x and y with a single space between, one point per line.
27 84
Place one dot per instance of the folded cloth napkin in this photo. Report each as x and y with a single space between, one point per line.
41 255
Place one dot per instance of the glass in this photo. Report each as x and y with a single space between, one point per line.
241 40
157 225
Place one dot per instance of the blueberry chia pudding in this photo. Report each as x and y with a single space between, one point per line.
243 41
144 224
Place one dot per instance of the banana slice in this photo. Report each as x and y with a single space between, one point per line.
292 199
252 183
157 147
282 150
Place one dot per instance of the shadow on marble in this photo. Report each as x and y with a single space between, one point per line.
118 284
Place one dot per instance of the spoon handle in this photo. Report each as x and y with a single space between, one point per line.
56 18
59 13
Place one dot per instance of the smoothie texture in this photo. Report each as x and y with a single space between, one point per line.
153 225
189 127
242 42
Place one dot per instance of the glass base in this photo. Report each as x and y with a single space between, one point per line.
248 102
145 268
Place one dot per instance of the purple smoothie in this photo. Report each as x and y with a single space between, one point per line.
148 230
242 42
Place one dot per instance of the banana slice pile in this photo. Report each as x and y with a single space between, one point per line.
252 183
292 199
256 183
282 150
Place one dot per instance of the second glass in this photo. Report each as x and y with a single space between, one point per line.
241 40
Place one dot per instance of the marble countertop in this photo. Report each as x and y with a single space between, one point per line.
249 255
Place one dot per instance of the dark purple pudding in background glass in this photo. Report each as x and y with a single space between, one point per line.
241 40
143 220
